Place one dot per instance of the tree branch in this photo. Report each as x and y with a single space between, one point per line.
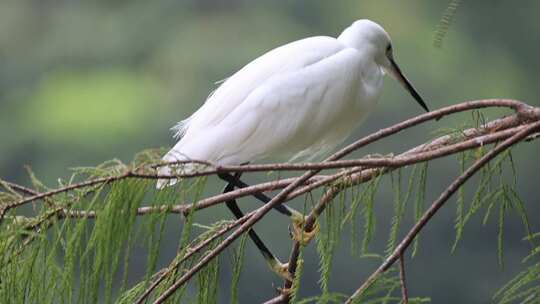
402 282
429 151
524 112
437 204
507 127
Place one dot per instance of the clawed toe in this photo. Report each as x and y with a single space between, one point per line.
281 269
301 235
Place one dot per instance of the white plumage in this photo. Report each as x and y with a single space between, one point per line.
299 100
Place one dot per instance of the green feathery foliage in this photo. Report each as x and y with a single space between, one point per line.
357 197
327 241
460 204
76 246
238 262
386 290
365 195
369 213
420 200
400 204
208 281
297 277
445 23
153 227
492 191
294 290
524 287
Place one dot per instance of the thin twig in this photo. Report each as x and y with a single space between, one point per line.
97 181
19 188
402 282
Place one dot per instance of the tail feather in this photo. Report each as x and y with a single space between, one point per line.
171 156
165 182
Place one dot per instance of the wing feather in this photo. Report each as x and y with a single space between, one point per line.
234 90
285 115
277 105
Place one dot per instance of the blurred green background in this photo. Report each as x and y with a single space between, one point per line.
82 82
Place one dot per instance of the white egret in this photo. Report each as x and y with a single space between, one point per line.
299 100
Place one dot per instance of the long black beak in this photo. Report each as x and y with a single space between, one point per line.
406 83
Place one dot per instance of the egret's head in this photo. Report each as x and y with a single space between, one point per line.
365 35
371 39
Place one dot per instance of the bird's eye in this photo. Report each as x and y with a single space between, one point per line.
389 49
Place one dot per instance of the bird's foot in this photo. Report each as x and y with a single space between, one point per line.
281 269
288 291
299 234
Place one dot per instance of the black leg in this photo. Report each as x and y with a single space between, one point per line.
236 182
297 218
233 207
272 261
